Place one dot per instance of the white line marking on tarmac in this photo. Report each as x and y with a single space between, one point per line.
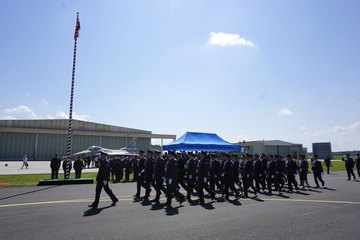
125 198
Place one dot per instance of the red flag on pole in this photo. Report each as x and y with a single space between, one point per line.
77 28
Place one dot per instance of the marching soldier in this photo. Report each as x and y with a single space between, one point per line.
102 181
202 177
181 159
159 174
215 173
190 175
134 167
303 171
149 171
229 177
272 175
349 165
291 170
171 175
318 171
258 173
55 166
248 175
141 174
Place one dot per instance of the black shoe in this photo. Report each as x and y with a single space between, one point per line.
114 202
156 200
136 195
92 206
182 199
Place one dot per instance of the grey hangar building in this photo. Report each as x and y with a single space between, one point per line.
41 139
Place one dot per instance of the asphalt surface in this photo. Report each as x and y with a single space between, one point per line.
61 212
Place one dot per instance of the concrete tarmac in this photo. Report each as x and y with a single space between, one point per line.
61 212
35 167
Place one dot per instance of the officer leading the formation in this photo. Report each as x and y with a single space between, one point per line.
102 181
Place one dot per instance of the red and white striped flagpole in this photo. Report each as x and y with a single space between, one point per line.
69 139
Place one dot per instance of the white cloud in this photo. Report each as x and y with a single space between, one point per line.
43 101
341 137
7 118
21 110
62 115
228 39
284 112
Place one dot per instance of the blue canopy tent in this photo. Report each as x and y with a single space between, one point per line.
196 141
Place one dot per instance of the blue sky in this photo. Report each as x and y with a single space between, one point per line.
246 70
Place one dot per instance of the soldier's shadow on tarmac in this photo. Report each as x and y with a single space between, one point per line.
94 211
171 211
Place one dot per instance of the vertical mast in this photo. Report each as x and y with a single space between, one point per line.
69 139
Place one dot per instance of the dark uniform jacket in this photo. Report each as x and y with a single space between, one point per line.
78 165
203 169
141 166
258 168
228 171
303 167
191 168
171 171
317 167
349 162
149 164
248 169
215 168
104 171
291 167
55 163
159 168
272 169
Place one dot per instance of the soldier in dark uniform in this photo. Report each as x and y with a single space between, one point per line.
78 167
171 175
317 171
134 167
215 172
281 171
327 163
159 174
67 166
236 167
191 166
258 173
203 177
127 167
248 175
271 175
141 173
102 181
349 165
55 164
357 164
291 171
181 159
149 171
303 171
229 177
264 160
